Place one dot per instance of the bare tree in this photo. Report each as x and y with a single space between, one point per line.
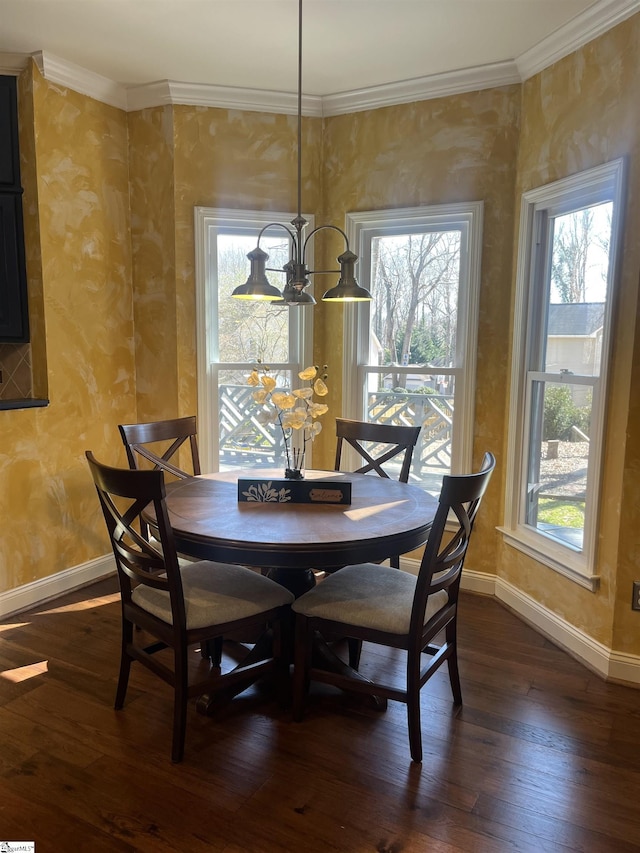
248 331
574 238
415 278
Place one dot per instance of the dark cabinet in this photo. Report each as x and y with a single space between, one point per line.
14 317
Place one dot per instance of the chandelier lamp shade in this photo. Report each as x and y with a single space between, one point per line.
258 286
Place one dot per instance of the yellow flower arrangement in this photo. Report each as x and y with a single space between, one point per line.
291 410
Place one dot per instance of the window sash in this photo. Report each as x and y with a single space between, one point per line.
361 229
209 223
538 207
592 480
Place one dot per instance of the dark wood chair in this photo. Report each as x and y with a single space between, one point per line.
386 442
181 606
377 444
373 603
153 445
158 442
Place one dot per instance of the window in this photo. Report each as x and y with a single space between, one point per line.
565 280
409 356
233 335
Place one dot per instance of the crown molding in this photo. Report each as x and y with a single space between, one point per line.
593 22
64 73
165 92
596 20
435 86
13 64
422 88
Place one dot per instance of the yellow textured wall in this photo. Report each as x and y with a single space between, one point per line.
579 113
50 511
153 239
461 148
228 158
88 282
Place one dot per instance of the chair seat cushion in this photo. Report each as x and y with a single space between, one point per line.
183 560
369 596
215 593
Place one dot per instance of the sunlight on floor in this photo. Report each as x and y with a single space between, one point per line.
9 626
24 673
87 604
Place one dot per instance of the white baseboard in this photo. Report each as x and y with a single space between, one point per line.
611 665
36 593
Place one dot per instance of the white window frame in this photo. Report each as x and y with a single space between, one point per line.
597 185
208 221
361 228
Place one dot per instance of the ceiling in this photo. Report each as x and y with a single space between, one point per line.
348 45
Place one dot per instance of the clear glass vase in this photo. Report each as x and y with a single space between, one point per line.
295 465
293 474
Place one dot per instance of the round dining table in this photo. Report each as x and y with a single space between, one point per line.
289 540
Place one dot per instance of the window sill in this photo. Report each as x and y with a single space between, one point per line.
23 404
531 546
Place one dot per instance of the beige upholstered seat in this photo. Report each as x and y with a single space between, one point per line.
214 593
384 606
389 607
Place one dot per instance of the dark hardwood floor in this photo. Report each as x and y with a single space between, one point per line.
543 756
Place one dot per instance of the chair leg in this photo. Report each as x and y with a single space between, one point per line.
179 703
355 650
125 663
413 708
282 643
452 663
212 649
301 666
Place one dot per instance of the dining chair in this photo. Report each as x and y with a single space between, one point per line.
383 606
181 606
378 444
158 442
385 442
155 444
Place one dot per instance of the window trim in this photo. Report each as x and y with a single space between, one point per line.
592 186
360 228
206 218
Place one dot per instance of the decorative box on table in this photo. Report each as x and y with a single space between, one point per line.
336 490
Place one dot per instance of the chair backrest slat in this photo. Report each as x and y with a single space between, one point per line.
443 559
137 438
392 441
137 560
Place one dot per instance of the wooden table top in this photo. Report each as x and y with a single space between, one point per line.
385 517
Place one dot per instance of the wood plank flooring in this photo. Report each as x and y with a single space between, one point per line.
542 757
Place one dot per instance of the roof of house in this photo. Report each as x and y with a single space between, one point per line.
575 318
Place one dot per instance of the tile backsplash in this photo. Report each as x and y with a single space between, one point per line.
15 368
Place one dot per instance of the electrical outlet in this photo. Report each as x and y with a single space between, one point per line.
635 601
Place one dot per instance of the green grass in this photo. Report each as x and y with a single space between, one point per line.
561 513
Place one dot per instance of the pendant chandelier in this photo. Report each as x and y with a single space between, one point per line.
258 287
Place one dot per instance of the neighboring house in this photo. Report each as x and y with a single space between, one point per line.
109 211
574 341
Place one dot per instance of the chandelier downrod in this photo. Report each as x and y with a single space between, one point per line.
258 287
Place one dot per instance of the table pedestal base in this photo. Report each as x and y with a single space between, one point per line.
248 671
297 581
324 659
